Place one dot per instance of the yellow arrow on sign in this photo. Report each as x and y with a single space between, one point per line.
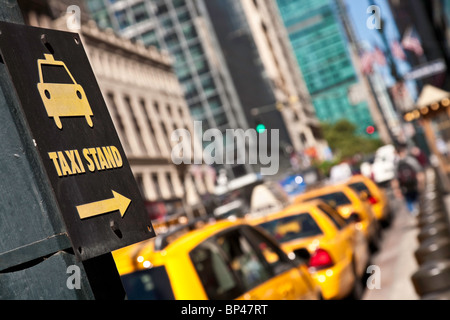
119 202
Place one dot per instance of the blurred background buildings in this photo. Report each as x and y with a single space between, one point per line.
232 60
290 65
322 52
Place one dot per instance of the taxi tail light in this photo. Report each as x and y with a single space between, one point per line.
372 200
321 259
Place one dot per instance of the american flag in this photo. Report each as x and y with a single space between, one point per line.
411 42
379 57
397 50
367 61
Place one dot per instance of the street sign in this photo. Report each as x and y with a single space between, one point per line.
75 137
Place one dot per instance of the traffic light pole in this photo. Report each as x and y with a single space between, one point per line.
36 258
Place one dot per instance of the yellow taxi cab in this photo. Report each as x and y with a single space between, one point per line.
221 260
337 253
374 195
350 205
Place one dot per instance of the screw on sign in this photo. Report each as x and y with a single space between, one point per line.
90 176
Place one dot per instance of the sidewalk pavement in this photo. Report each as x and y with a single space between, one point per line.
396 257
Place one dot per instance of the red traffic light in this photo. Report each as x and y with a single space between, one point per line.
370 130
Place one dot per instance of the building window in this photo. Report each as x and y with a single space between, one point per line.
178 3
220 119
183 72
150 125
189 32
170 184
140 12
161 9
149 38
184 17
172 40
136 124
166 22
118 119
155 181
197 110
209 86
122 19
103 20
190 90
201 66
303 138
140 183
196 51
215 103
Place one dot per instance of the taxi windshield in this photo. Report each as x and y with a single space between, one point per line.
55 74
292 227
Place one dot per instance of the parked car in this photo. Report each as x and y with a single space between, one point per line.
376 196
349 204
220 260
336 251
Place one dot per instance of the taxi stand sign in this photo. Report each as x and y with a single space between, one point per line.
90 176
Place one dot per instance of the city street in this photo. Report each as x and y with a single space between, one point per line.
224 150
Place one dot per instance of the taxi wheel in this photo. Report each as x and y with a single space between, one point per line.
375 241
358 288
387 220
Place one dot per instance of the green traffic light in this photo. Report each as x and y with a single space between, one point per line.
260 128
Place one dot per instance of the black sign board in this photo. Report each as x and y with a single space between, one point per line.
68 119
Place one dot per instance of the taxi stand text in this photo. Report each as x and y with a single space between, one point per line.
69 162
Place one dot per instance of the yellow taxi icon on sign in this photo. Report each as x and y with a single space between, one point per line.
61 94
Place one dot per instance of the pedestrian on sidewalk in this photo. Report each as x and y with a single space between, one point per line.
409 178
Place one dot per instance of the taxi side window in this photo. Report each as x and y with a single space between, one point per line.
214 271
237 261
272 255
334 216
244 260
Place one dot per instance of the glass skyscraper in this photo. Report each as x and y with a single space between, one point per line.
320 47
177 26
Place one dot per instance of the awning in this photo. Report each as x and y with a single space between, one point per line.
430 101
430 95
